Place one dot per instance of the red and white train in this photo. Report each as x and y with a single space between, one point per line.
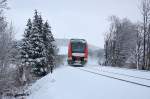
77 52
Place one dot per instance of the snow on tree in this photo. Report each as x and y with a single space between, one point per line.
26 43
38 48
119 41
129 43
136 53
5 41
7 50
49 46
145 12
24 49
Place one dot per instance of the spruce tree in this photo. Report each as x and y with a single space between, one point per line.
24 50
25 46
37 47
49 47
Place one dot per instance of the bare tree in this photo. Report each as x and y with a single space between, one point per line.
137 51
7 75
119 41
138 47
145 11
148 49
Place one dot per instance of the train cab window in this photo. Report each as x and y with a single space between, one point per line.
78 47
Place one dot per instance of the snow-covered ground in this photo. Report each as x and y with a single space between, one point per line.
92 61
71 83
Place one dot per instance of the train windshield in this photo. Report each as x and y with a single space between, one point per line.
78 47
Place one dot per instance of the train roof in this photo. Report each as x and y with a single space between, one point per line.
78 40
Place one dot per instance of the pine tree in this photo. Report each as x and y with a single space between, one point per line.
37 47
49 47
25 47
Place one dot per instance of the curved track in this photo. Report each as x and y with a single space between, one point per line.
123 74
126 75
100 74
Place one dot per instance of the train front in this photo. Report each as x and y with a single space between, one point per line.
77 52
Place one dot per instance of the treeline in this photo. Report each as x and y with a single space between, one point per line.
23 62
8 74
127 44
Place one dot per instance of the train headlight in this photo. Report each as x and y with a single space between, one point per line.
69 58
85 59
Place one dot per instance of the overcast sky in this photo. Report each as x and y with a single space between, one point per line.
86 19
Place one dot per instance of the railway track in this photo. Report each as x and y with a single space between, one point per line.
112 77
123 74
127 75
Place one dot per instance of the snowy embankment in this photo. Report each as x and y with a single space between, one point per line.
71 83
